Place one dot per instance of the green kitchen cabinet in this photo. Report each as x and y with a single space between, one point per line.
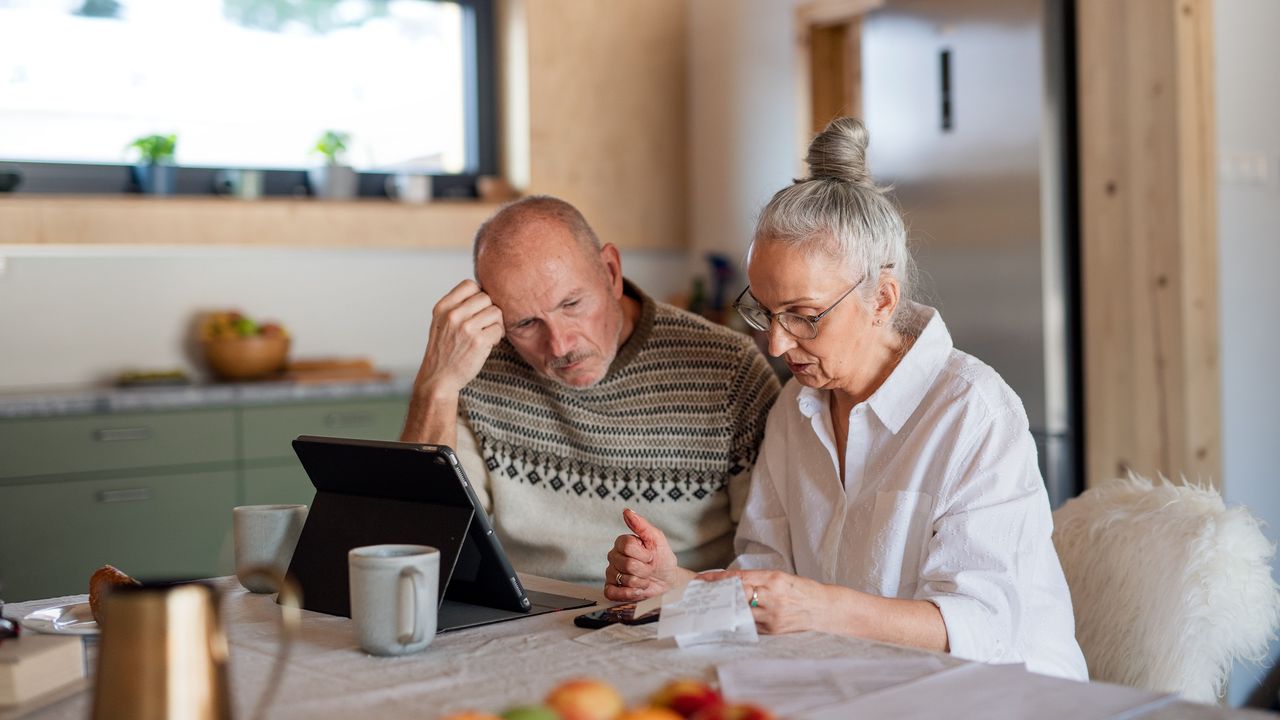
152 492
271 473
115 441
55 533
280 485
267 432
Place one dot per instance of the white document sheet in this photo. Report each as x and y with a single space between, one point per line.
708 612
644 607
619 634
791 687
997 692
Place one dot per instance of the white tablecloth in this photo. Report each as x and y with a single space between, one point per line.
487 668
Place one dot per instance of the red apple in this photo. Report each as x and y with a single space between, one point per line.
585 699
687 697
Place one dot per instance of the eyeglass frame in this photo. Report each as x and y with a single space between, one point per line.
810 320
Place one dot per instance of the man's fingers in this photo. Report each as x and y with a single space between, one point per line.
624 594
648 534
465 311
459 293
483 321
632 547
634 568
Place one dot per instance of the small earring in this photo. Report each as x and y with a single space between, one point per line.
879 322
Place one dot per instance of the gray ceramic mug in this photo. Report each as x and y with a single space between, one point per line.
394 591
265 535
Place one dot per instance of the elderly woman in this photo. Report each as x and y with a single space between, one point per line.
897 495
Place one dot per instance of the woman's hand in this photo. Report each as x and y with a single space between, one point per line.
642 564
784 602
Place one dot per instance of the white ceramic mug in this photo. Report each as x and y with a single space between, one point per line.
409 188
265 535
393 597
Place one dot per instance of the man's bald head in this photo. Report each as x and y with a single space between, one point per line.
559 290
518 221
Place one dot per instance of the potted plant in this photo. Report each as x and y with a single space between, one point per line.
155 173
334 179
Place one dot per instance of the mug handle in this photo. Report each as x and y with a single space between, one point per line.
419 593
290 601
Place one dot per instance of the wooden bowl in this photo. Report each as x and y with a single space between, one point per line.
246 358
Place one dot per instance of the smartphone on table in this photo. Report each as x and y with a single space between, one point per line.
624 613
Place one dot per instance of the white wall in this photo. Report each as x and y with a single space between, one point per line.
1248 115
74 315
742 127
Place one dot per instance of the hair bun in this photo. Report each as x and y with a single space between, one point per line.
839 152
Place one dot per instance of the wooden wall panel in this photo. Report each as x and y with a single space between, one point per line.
138 220
1149 247
607 121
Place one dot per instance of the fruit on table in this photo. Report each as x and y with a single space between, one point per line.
650 713
686 696
744 711
585 699
531 712
470 715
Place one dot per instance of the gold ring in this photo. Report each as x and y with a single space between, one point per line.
755 598
617 579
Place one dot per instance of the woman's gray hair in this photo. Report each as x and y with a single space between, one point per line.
838 212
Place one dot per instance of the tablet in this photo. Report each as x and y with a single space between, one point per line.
371 492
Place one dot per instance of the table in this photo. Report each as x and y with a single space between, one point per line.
486 668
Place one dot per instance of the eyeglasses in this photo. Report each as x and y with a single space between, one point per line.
804 327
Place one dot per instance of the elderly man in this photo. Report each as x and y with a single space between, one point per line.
569 394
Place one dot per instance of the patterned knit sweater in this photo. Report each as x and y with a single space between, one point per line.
671 431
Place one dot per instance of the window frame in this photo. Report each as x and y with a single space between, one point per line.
479 117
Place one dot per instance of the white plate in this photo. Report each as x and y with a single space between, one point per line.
69 619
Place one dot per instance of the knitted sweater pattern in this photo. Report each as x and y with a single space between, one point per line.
679 414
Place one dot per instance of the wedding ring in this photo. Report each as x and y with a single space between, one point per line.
617 579
755 598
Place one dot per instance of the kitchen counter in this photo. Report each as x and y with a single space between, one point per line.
91 400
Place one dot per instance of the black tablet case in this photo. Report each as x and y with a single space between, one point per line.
372 493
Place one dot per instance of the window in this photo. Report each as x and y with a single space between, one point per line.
245 84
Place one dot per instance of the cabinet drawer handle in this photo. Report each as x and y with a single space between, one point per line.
353 418
130 495
121 434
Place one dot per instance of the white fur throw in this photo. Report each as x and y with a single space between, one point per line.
1169 586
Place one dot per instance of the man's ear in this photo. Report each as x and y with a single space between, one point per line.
612 263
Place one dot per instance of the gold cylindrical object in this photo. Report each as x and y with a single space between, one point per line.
163 654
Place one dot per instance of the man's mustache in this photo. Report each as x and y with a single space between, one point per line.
567 360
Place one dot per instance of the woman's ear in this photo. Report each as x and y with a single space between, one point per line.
887 296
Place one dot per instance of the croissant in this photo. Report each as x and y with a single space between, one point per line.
100 583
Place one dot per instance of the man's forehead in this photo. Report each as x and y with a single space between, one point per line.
518 301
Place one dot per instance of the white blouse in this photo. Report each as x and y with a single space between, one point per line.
942 500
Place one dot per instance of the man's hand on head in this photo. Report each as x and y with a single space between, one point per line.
465 326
